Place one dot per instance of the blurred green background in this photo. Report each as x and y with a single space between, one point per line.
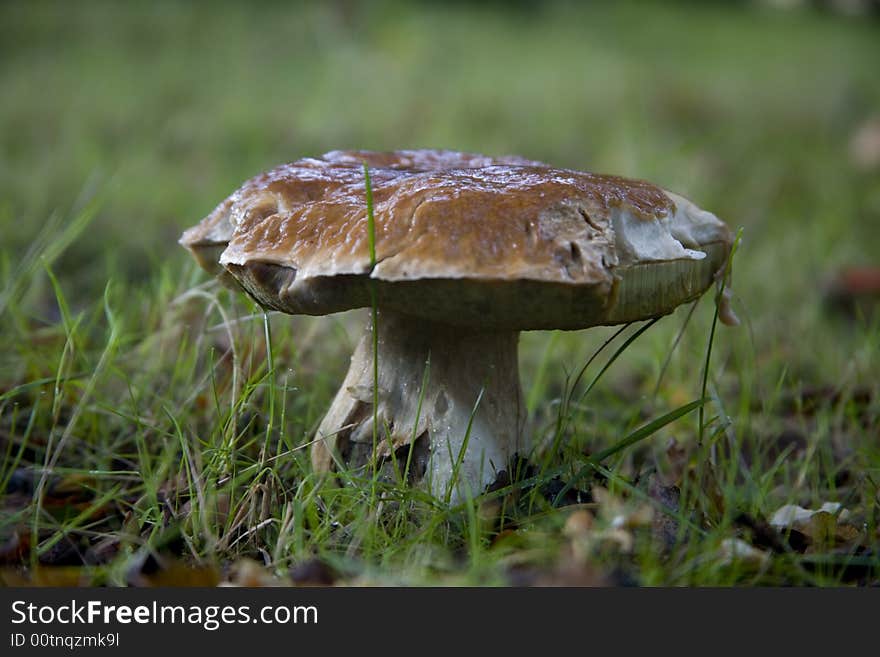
167 107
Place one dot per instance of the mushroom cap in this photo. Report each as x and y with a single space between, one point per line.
465 239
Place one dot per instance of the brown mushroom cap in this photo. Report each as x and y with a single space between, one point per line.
462 239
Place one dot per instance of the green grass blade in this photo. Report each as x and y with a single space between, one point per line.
636 436
374 318
459 459
725 280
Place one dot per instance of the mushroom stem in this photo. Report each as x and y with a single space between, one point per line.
450 409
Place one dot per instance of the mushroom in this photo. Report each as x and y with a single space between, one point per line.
469 251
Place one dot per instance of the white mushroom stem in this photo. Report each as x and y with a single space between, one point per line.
449 405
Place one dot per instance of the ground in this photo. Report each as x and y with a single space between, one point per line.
154 425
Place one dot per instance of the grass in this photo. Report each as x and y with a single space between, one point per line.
144 409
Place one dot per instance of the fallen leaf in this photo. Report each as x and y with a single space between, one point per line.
792 515
826 526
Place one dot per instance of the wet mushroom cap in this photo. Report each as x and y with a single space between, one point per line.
463 239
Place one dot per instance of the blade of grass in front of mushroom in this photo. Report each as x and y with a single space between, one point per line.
459 458
374 318
414 437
